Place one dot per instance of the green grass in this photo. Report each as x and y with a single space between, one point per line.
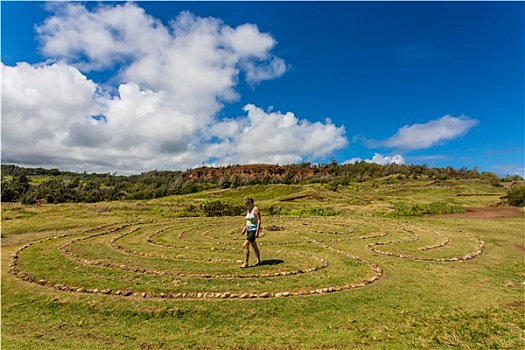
416 301
434 208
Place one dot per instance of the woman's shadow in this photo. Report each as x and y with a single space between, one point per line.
271 262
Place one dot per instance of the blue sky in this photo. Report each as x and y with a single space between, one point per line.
132 87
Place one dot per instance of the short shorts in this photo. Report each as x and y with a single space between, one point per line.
251 236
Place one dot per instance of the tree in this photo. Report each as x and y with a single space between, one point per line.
516 196
15 187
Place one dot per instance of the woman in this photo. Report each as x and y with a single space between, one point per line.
252 229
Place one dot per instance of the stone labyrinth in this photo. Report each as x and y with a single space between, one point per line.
198 258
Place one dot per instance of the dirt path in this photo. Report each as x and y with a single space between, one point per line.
489 213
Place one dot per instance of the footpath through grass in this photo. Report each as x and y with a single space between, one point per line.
465 300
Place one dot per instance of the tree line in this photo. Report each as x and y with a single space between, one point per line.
39 185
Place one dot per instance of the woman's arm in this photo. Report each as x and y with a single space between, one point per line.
259 221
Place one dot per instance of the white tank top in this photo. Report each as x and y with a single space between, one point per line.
251 221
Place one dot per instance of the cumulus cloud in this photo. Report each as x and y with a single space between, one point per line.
35 114
380 159
159 111
98 39
422 136
383 160
274 137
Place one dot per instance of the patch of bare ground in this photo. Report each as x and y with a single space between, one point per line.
488 213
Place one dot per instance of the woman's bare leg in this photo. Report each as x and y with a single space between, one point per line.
257 253
246 247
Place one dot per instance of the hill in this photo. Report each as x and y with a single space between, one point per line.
37 185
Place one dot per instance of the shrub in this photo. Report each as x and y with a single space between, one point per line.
323 211
319 211
191 211
273 210
221 208
434 208
516 196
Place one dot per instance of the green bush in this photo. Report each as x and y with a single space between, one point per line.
273 210
323 211
516 196
319 211
191 211
221 208
434 208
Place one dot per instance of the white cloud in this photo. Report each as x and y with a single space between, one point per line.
353 160
246 41
35 114
379 159
273 137
99 38
383 160
171 84
509 169
422 136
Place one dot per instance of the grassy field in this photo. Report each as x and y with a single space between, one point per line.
341 270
